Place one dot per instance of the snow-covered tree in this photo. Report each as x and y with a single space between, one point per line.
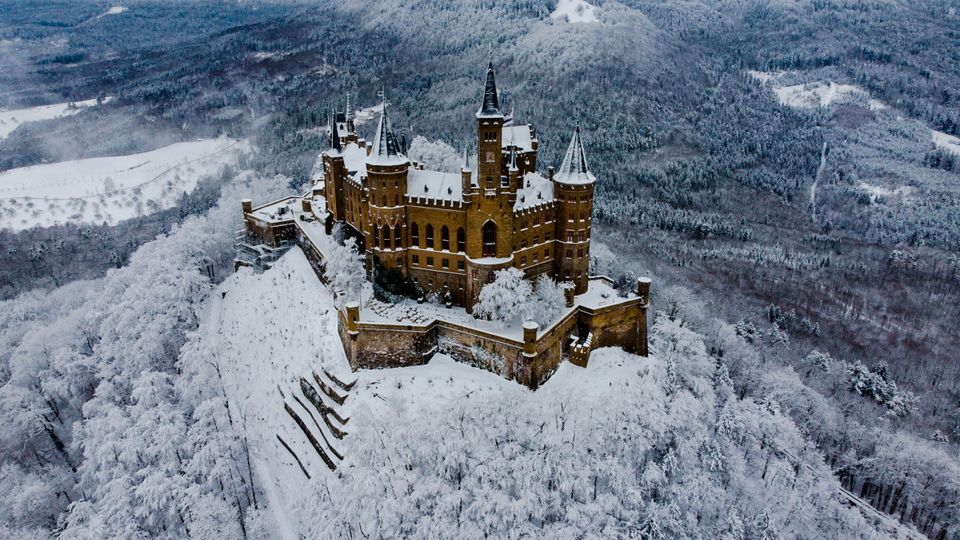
546 303
436 155
344 270
504 299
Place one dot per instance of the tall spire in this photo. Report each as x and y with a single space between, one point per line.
335 136
385 148
491 102
573 169
346 114
513 154
466 160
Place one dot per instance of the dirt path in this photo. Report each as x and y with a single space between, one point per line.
816 182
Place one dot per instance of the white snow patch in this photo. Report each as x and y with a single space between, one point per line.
10 119
824 94
946 142
109 189
115 10
575 11
877 192
815 94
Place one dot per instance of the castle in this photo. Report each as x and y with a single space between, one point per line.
448 233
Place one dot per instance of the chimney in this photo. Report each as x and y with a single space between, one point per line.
550 172
247 205
307 205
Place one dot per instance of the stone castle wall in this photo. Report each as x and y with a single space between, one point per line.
370 345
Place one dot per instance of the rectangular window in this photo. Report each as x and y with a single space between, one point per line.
536 240
523 261
546 253
460 265
579 253
416 259
548 236
523 243
569 236
445 263
569 254
429 261
536 256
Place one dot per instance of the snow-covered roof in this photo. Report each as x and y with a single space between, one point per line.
277 211
518 136
534 191
355 158
434 185
573 169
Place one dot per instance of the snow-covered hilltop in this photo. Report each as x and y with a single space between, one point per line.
655 444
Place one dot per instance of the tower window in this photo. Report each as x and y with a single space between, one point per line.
430 236
386 237
376 236
489 239
445 238
461 240
414 235
398 236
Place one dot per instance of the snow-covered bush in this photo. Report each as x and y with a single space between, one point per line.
505 298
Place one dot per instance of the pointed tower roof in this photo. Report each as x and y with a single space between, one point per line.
385 148
335 147
573 169
490 108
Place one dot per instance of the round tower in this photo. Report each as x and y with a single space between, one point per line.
387 190
573 191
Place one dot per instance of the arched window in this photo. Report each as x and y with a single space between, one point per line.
376 236
386 237
414 235
489 239
398 236
430 236
445 238
383 200
461 240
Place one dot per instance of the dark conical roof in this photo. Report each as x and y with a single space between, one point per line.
386 148
573 169
335 136
491 102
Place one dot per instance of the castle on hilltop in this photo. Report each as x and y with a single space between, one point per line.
447 233
450 232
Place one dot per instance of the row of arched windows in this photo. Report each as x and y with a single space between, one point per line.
388 237
444 238
383 235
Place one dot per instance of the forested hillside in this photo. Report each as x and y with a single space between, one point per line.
812 249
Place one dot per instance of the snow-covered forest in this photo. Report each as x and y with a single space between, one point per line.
803 381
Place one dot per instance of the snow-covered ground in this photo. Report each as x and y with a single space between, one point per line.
946 142
575 11
109 189
816 94
10 119
273 328
115 10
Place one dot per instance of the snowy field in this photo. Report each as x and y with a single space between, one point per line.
575 11
11 119
109 189
946 142
816 94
